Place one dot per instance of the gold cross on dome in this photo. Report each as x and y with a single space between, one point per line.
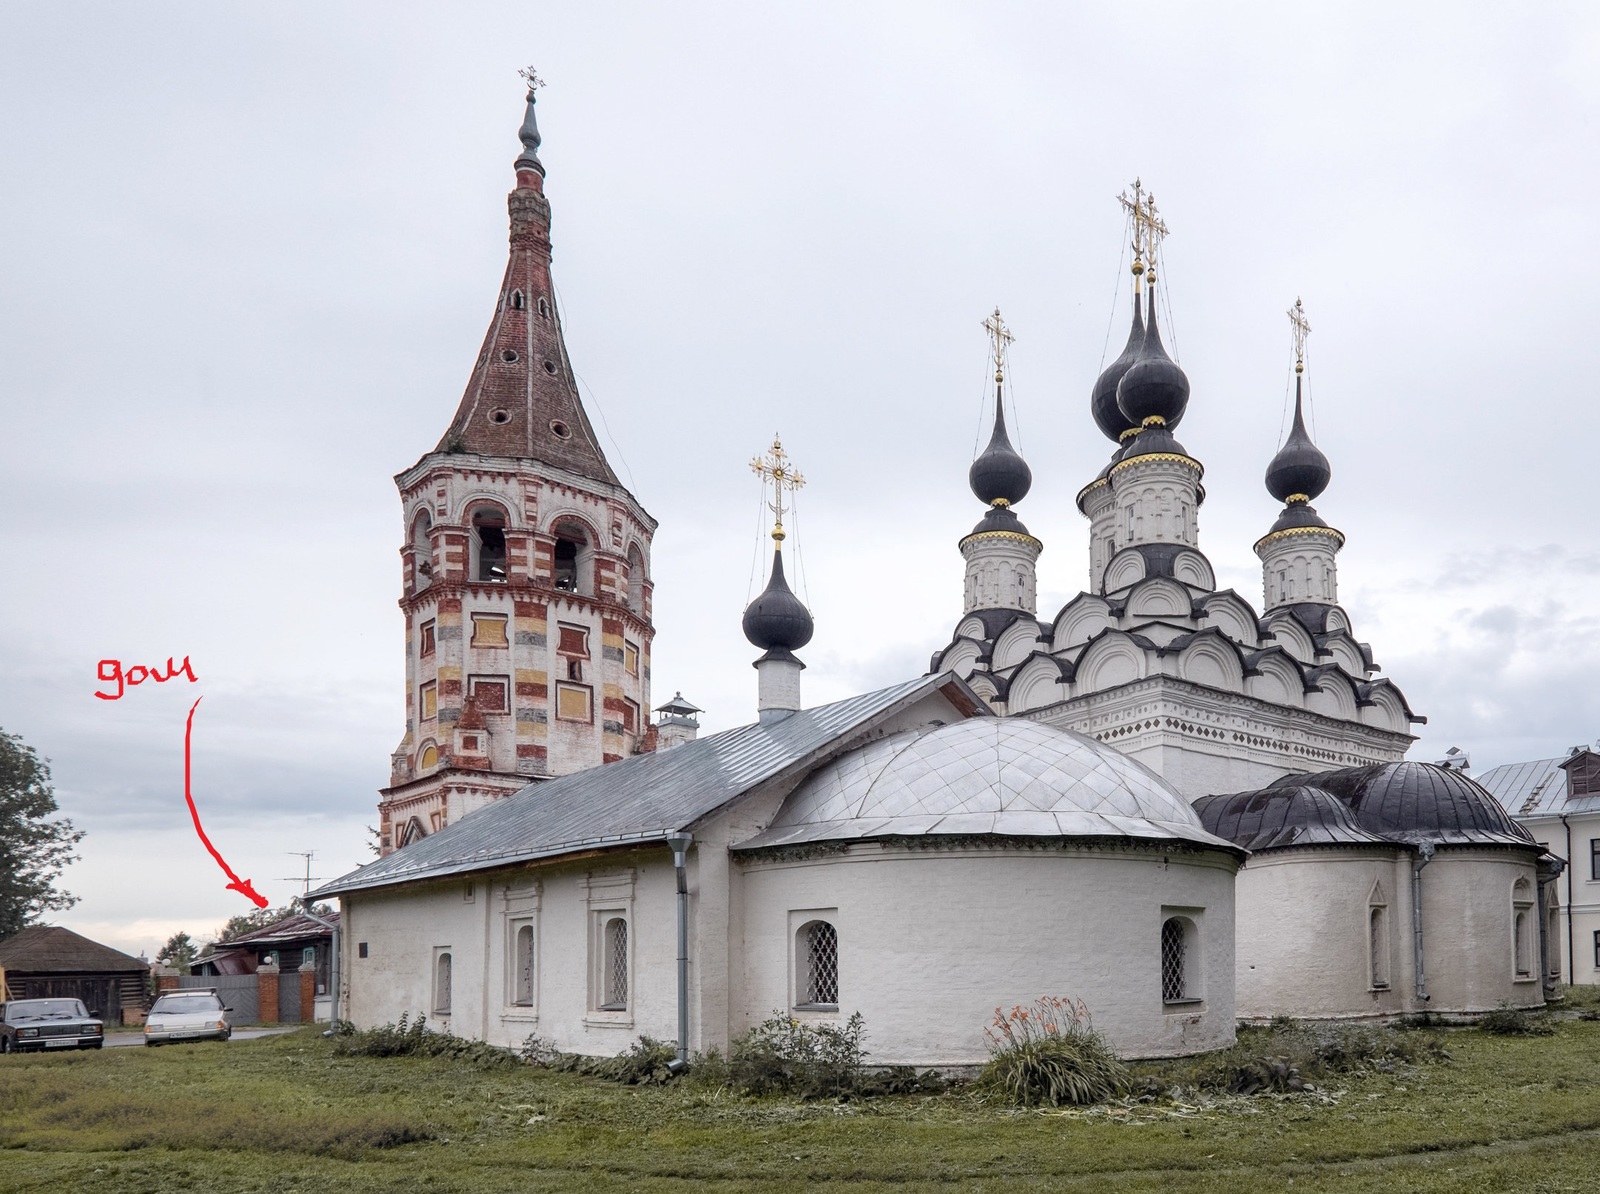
530 77
776 467
1301 329
1148 227
999 337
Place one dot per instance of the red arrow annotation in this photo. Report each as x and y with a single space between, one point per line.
242 886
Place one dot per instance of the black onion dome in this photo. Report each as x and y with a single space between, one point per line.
1000 518
1297 516
999 474
1299 469
776 620
1153 439
1278 818
1421 802
1103 398
1154 387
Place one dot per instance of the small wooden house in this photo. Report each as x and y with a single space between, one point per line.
46 961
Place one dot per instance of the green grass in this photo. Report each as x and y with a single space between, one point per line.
286 1114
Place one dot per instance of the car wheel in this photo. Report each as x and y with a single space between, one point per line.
97 1045
5 1044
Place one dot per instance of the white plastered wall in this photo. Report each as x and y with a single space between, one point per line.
931 941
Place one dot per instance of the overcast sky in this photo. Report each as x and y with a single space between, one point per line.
248 253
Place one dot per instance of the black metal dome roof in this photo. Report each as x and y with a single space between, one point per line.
1301 514
1000 474
1420 802
1153 439
1103 398
1154 387
1000 518
1299 469
777 620
1279 818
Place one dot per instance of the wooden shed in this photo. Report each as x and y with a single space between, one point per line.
45 961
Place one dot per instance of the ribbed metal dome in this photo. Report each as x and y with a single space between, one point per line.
1154 387
1420 802
1299 469
777 620
1279 818
985 775
1103 406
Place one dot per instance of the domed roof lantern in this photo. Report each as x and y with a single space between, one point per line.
999 476
528 134
1154 391
1299 472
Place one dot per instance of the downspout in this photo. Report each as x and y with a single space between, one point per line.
1572 957
679 844
1423 858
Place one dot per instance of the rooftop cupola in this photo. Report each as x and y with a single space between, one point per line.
777 621
1103 406
528 162
1154 392
1000 553
1297 553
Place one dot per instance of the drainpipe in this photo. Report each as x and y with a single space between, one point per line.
1572 957
678 843
1423 858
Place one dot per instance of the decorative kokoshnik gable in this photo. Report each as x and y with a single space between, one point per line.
1154 659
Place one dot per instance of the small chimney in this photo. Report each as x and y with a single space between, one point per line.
676 723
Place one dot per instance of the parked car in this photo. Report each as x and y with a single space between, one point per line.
28 1024
191 1014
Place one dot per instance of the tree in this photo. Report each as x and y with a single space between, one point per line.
249 922
34 846
179 951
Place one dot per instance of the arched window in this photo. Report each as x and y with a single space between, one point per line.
635 581
523 993
1523 927
411 831
516 300
817 966
1378 946
614 970
441 985
1176 984
572 559
428 758
421 550
489 538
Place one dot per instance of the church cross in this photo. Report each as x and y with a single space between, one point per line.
1301 329
999 337
1148 227
530 77
776 467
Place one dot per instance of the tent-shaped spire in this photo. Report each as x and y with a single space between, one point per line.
522 398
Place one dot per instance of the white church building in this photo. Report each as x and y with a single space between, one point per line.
1158 800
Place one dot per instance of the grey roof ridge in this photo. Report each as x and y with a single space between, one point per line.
903 695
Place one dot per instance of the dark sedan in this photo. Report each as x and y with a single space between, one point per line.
48 1024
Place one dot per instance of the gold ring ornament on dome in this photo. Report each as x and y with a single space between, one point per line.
1150 457
1297 499
1001 502
1128 434
1097 483
1017 535
1338 536
1153 421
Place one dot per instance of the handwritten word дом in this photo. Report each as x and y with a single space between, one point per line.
112 672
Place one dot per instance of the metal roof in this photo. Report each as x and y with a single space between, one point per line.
998 776
1281 818
646 797
51 949
1535 789
1418 802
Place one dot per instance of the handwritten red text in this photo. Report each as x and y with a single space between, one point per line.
113 672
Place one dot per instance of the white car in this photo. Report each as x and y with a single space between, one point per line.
187 1015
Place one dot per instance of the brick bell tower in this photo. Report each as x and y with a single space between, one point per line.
526 567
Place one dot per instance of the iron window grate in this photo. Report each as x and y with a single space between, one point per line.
1172 962
822 965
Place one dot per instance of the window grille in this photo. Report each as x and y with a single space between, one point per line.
1173 948
820 986
524 962
1594 858
616 965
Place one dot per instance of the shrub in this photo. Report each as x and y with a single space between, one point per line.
1050 1053
1509 1021
785 1056
412 1038
1287 1057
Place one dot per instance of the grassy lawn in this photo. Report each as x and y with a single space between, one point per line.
285 1114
